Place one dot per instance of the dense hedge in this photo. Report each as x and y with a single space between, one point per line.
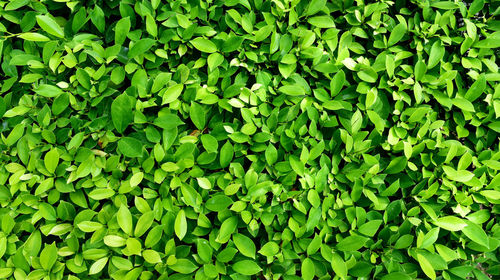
249 139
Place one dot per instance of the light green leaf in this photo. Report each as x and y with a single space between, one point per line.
426 266
351 243
307 269
450 223
292 90
141 47
51 160
98 266
48 256
122 29
48 90
397 34
339 266
246 267
245 245
130 147
204 45
50 26
180 225
124 218
172 93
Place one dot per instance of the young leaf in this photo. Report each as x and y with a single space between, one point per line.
124 218
398 32
246 267
197 115
204 45
121 112
50 26
122 29
51 160
130 147
245 245
180 225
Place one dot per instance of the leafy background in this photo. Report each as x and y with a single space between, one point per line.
249 139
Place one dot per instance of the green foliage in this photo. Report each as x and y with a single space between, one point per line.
250 139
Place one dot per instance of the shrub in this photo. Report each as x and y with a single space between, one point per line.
249 139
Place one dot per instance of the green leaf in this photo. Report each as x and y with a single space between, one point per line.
321 21
98 266
246 267
130 147
271 154
491 42
450 223
398 32
114 241
48 90
151 26
35 37
337 83
463 104
51 160
351 243
122 29
83 78
183 266
476 233
420 70
232 44
209 143
226 154
101 193
144 223
307 269
168 121
315 6
218 203
370 228
476 89
204 45
269 249
141 47
396 276
339 266
430 238
121 112
98 19
16 4
426 266
369 75
458 175
180 225
491 194
356 122
48 256
245 245
226 229
263 33
15 134
292 90
436 54
124 218
396 165
151 256
172 93
204 183
197 115
89 226
50 26
475 7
